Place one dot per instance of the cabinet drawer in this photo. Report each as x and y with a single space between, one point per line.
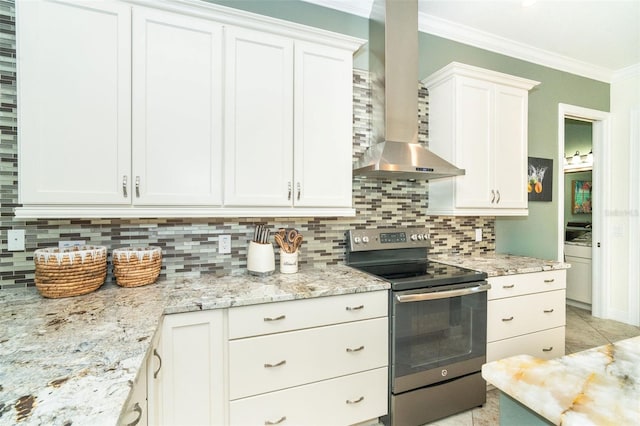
519 284
341 401
545 344
267 363
278 317
515 316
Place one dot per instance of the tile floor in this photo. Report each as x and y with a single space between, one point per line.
582 332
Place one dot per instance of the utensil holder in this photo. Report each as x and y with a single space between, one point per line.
261 259
288 262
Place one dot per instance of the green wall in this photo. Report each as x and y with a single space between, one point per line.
534 235
578 136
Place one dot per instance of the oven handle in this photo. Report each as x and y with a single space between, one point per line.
405 298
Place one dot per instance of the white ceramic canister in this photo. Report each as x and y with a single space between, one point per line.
260 259
288 262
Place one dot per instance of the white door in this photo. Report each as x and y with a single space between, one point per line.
510 148
474 134
177 109
192 381
75 118
323 126
258 119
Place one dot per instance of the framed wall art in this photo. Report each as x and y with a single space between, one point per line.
581 196
540 179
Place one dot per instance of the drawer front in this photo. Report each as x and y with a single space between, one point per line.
544 344
267 363
256 320
520 284
520 315
342 401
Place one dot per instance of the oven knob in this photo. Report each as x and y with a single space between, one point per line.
425 236
365 239
356 240
420 237
414 237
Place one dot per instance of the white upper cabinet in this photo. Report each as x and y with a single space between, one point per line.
177 109
258 118
180 109
478 121
74 88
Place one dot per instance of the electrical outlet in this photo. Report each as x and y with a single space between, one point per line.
224 244
15 240
478 234
67 244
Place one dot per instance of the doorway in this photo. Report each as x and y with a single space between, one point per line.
600 122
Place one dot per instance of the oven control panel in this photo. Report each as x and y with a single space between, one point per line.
385 239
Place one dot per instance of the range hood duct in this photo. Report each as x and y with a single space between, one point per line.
393 66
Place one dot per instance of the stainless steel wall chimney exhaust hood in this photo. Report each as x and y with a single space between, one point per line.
393 66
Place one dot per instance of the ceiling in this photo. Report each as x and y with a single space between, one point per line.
597 39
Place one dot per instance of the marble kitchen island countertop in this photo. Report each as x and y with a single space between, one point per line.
500 264
599 386
71 361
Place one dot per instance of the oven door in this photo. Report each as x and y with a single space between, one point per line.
437 335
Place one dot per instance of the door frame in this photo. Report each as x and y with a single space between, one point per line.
601 122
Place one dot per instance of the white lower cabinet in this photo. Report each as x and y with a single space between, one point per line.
526 314
135 412
190 373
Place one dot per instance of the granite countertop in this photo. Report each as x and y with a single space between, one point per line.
594 387
500 264
72 361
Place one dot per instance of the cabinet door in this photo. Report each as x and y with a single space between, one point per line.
579 279
474 134
192 373
510 148
323 126
177 109
74 61
258 119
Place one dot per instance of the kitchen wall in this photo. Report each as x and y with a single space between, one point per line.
190 245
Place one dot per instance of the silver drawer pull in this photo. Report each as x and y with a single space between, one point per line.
548 311
351 401
549 281
283 362
355 308
549 349
356 349
509 286
507 319
277 422
281 317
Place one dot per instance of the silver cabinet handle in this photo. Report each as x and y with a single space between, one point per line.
356 349
298 188
498 200
155 373
124 186
549 281
283 362
509 286
289 190
137 186
549 349
547 311
354 308
507 319
277 422
355 401
136 409
493 196
405 298
278 318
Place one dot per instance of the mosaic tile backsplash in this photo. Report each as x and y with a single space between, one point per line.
190 245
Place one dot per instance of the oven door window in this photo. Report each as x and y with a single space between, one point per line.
437 333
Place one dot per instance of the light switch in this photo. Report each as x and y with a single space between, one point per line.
15 240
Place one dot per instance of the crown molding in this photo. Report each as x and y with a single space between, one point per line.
461 33
628 72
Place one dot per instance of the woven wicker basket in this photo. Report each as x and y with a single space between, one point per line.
134 267
70 272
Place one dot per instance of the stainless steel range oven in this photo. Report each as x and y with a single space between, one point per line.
438 325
